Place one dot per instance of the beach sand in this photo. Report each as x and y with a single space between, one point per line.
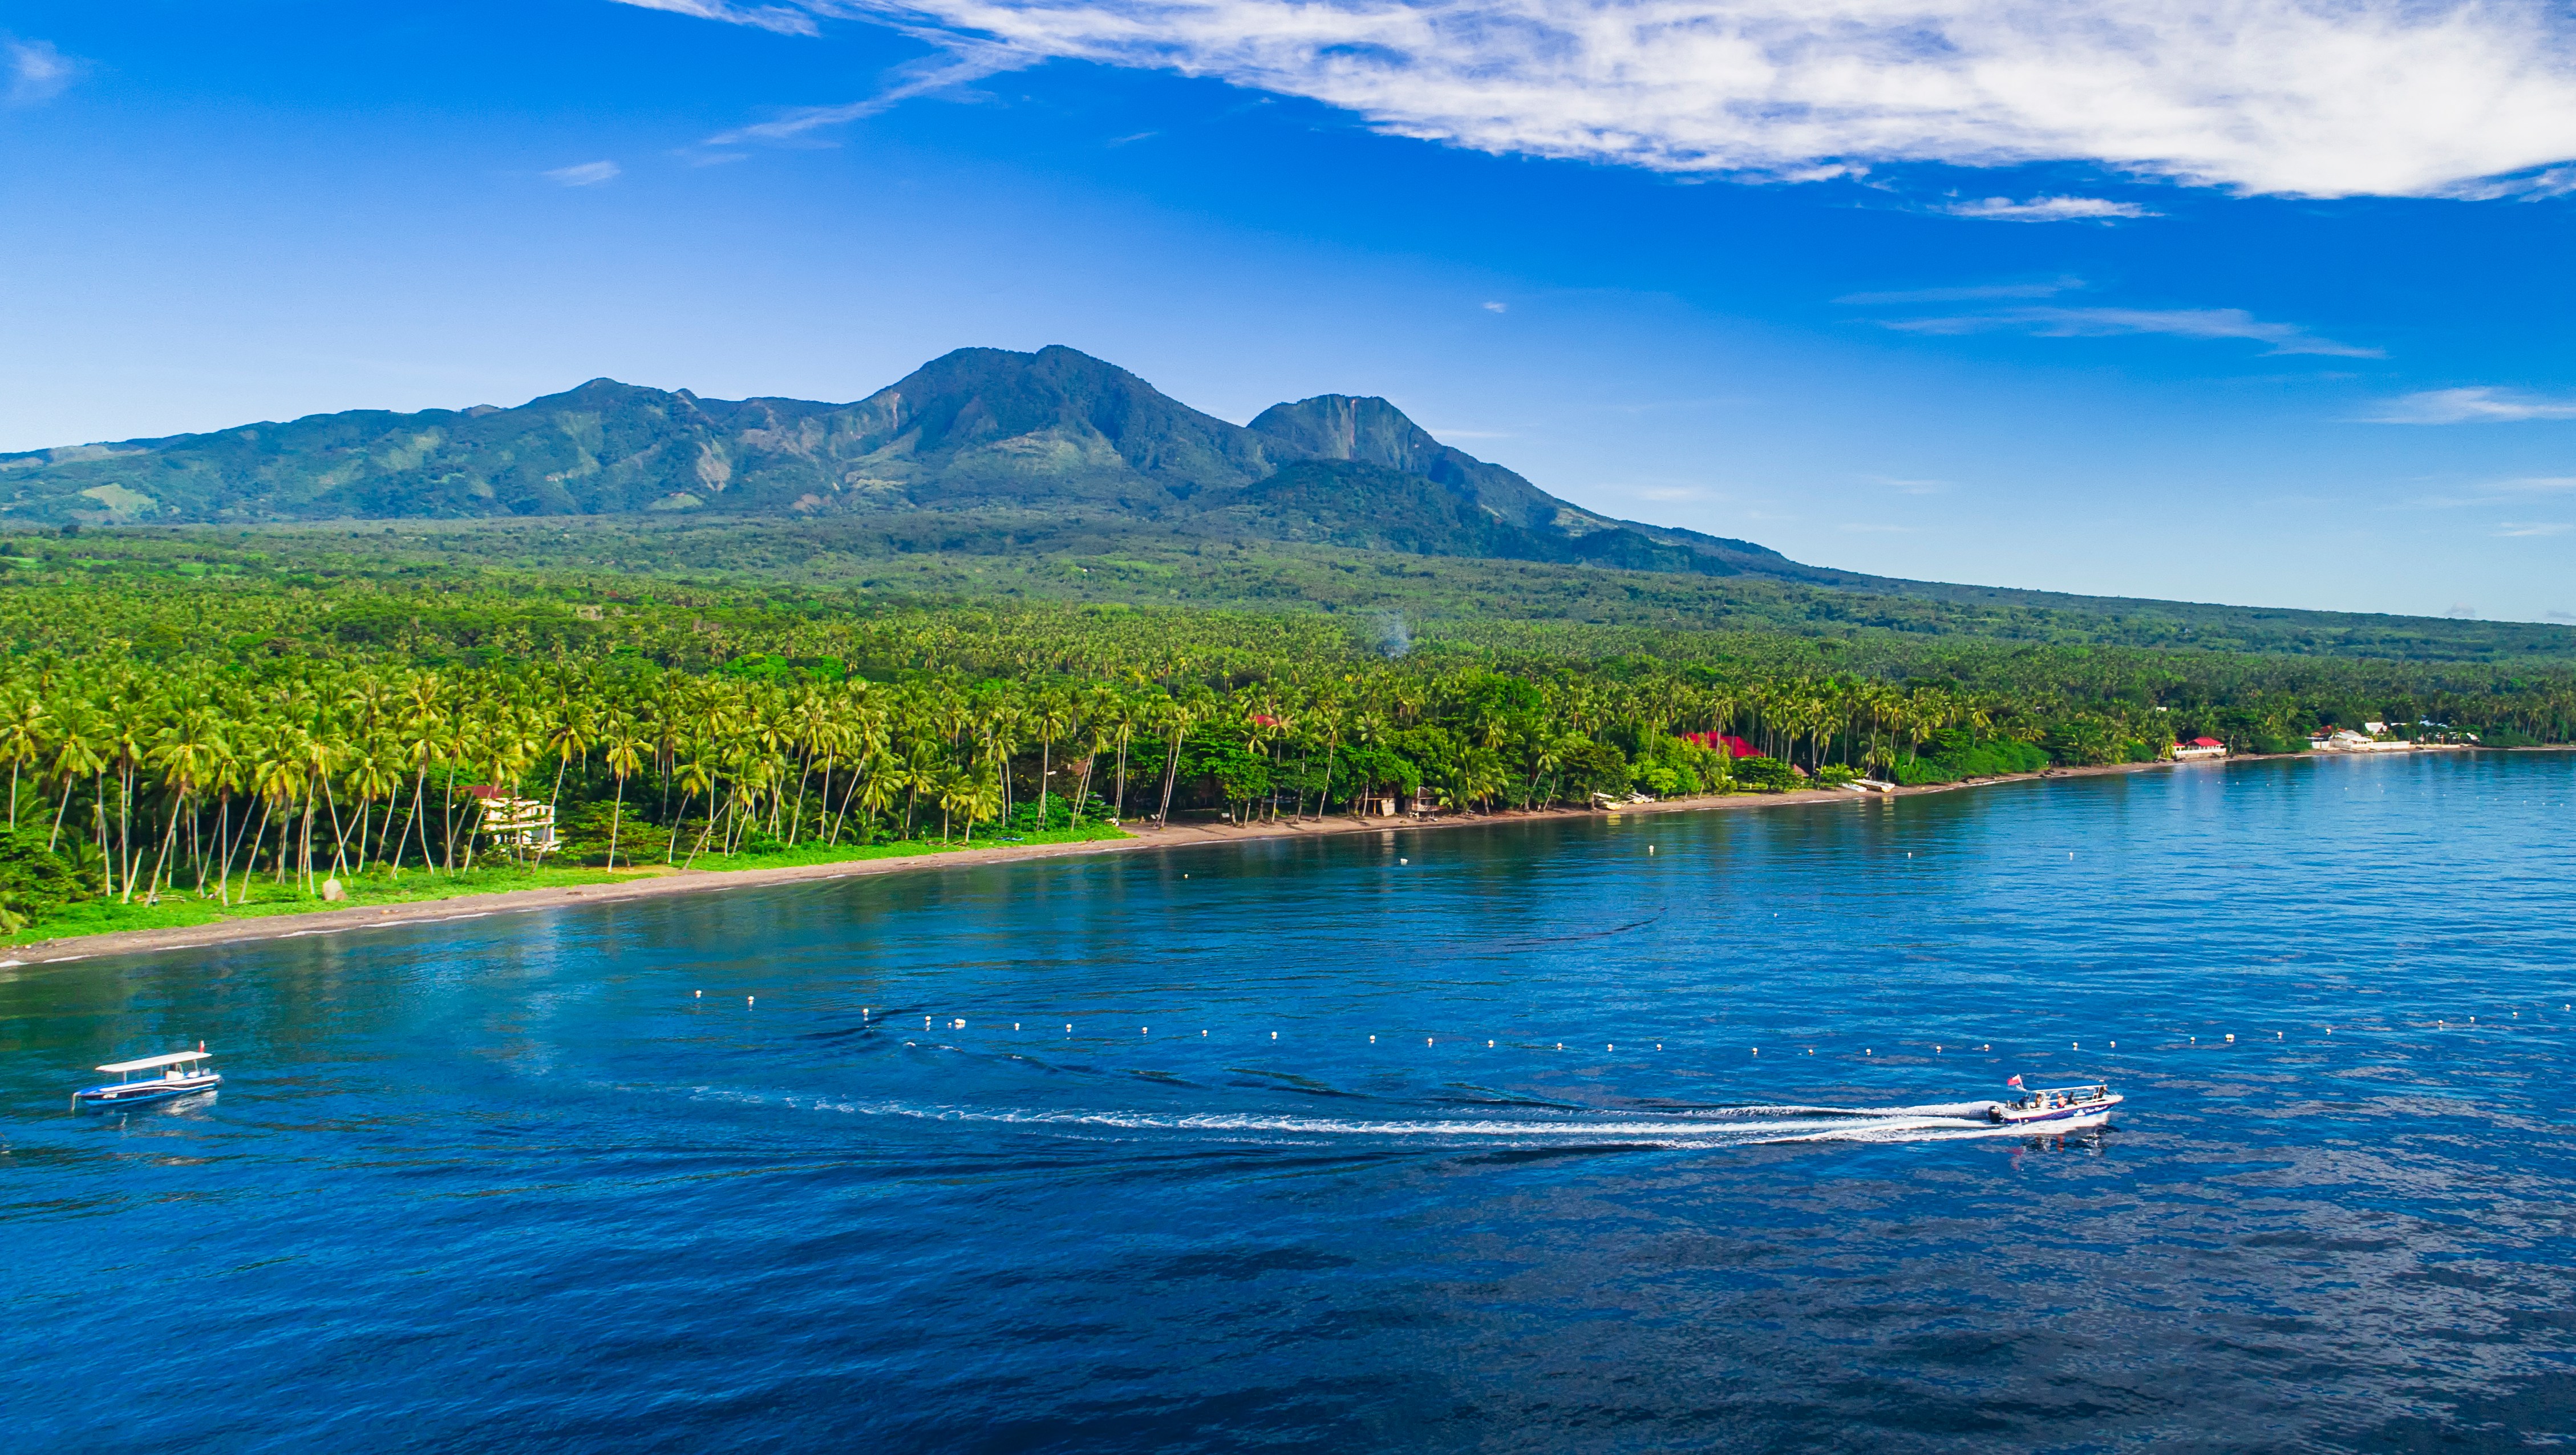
1142 836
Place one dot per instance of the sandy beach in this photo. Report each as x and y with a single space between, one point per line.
1141 837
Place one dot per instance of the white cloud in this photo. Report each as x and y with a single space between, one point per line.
2538 485
785 19
1972 294
587 174
2046 209
953 67
2317 98
1493 307
2192 323
2471 406
2534 528
37 72
1908 487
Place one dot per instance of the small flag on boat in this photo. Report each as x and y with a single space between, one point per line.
2016 1081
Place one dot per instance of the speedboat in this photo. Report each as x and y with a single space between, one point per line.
183 1073
2053 1104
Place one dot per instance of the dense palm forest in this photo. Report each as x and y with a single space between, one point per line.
182 720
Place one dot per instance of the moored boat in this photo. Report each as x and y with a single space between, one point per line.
2052 1104
183 1073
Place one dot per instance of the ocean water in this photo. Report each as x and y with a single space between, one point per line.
1655 1132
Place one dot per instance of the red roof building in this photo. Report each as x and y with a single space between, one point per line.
1735 747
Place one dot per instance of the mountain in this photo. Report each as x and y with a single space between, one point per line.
1055 431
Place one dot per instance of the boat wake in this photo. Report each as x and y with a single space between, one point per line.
1703 1127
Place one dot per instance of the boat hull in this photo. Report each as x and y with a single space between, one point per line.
2011 1116
141 1093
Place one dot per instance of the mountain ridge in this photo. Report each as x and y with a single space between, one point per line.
975 428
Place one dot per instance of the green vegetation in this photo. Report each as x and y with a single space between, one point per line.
200 723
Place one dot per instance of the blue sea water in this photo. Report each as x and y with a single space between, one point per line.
1646 1133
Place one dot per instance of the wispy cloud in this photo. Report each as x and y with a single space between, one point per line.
2535 185
2046 209
1491 306
1973 293
785 19
2498 492
2534 528
1908 487
2319 98
2480 405
956 67
2190 323
37 71
586 174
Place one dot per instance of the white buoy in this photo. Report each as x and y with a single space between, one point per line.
1659 1045
750 999
2115 1045
1650 848
925 1023
2075 1045
1936 1050
1404 861
1068 1028
1426 1040
1144 1030
1274 1035
1608 1047
1372 1040
1866 1051
1015 1025
2231 1038
700 995
1203 1035
1757 1050
2280 1035
1489 1045
1560 1045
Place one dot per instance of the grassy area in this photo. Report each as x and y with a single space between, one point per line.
412 886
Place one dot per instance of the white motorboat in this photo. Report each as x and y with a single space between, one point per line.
2053 1104
183 1073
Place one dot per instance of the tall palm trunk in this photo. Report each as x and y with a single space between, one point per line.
673 846
616 815
1171 772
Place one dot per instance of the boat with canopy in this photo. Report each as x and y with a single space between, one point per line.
183 1073
2053 1104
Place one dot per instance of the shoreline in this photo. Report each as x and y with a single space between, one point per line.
73 948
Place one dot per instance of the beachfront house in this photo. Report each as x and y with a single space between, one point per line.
513 822
2199 748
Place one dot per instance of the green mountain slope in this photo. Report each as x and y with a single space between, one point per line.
1054 431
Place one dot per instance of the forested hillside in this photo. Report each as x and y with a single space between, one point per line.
186 718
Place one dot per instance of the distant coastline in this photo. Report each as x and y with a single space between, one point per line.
71 948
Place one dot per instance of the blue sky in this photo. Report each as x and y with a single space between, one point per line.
2259 302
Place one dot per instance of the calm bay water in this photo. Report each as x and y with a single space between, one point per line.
512 1183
